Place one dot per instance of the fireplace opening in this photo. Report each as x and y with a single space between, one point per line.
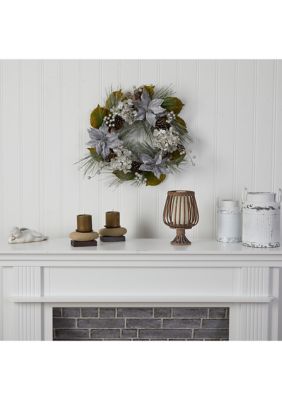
140 323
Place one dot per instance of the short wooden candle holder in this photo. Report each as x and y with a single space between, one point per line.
86 243
112 238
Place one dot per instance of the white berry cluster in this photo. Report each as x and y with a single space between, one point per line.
110 120
170 117
122 161
166 140
125 110
140 179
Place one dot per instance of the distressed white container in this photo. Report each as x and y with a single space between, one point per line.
229 221
261 219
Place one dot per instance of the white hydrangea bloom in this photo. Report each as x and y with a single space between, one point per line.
166 140
122 161
125 110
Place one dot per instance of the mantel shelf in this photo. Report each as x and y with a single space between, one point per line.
133 247
149 298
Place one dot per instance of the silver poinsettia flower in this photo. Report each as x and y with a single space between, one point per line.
147 109
102 140
156 164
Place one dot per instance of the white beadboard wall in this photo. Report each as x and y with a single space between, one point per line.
234 114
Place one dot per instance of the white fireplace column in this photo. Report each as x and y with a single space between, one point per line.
36 277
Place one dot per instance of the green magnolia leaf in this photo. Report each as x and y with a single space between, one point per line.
114 98
94 154
150 89
124 177
172 104
92 150
97 116
180 122
152 180
176 157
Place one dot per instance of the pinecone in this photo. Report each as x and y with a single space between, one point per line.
161 123
181 149
137 93
110 156
114 122
135 166
118 122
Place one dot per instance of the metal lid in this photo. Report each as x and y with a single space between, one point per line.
228 204
260 197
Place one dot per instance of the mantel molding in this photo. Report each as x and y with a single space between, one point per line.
117 298
143 253
38 276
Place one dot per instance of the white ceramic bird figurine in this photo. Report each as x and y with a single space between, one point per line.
25 235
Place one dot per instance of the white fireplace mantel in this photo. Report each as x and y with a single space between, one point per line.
35 277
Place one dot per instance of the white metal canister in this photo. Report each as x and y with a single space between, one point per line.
229 221
261 219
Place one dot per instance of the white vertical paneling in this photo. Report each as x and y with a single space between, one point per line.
264 125
2 107
11 151
52 148
32 163
207 137
1 303
70 145
277 124
245 106
224 152
254 318
28 315
232 109
277 140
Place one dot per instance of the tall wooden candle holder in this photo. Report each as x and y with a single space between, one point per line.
180 213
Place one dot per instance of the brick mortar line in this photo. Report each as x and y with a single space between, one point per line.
152 329
151 318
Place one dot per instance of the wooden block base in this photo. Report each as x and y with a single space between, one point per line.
76 243
112 238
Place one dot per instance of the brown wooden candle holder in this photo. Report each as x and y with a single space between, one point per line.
180 213
85 243
112 238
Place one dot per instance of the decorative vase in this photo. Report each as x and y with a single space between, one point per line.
261 219
229 221
180 213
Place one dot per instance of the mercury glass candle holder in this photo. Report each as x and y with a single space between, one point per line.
180 213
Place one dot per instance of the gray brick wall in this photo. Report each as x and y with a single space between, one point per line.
140 323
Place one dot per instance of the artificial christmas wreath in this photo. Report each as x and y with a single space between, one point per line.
138 136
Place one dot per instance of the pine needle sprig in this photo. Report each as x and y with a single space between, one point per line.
163 92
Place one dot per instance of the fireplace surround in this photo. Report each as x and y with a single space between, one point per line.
142 273
140 323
